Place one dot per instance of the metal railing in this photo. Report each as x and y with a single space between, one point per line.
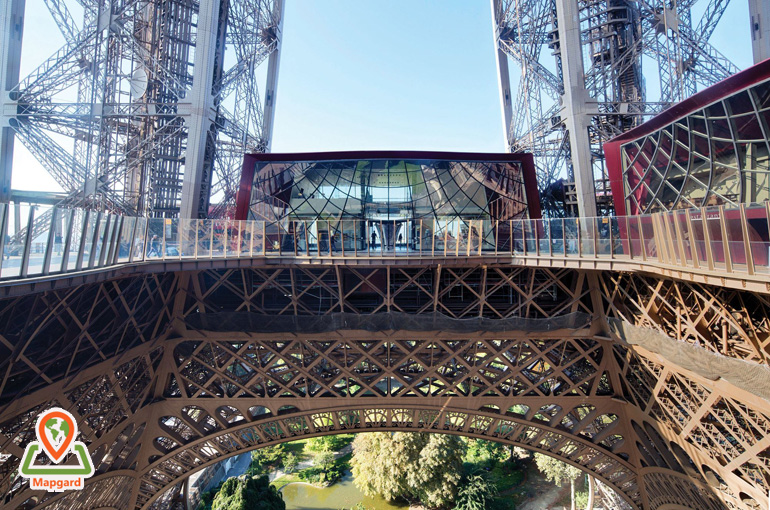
713 239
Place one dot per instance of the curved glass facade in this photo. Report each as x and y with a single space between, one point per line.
715 153
390 197
387 189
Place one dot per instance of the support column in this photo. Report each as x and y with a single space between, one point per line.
273 64
759 12
503 77
574 104
202 112
11 30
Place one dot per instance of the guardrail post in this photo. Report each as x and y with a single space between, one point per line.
579 238
83 240
115 243
707 239
46 269
746 240
130 244
95 239
725 240
106 240
27 241
4 208
693 246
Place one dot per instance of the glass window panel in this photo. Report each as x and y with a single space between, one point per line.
155 228
700 146
13 247
556 231
187 233
140 250
698 240
587 236
91 227
740 103
748 128
61 217
603 236
759 237
38 243
76 232
617 246
648 237
762 94
720 128
697 124
571 234
714 223
126 238
634 237
716 110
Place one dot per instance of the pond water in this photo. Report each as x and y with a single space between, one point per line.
342 494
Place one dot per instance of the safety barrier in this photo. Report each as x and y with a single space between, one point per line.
730 241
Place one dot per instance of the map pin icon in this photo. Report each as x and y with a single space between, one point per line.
55 430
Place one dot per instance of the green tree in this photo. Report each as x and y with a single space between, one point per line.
268 455
558 472
290 462
248 494
324 459
425 466
327 443
476 493
480 450
434 478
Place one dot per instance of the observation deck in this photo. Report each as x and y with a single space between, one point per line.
713 245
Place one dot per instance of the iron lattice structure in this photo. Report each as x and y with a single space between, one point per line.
595 85
150 105
171 372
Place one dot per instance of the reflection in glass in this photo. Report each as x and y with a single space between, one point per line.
715 156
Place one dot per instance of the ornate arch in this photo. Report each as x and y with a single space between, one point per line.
191 373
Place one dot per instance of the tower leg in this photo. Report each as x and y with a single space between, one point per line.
11 29
759 12
575 100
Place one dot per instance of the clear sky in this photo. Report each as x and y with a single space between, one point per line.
395 74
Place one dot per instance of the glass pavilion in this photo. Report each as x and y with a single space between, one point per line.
711 149
390 201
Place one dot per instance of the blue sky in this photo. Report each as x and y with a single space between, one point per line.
396 74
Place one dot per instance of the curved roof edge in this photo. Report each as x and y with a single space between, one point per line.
388 154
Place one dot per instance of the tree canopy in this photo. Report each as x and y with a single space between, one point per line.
248 494
476 493
424 466
555 470
558 472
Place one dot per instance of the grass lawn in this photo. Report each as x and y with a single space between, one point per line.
298 449
281 482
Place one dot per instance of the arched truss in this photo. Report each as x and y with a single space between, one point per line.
158 397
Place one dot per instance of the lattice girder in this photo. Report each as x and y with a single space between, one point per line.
220 362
